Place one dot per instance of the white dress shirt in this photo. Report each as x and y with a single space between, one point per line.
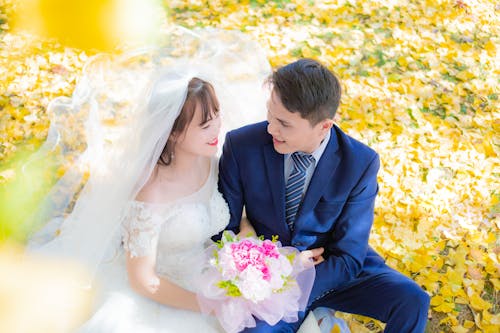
310 170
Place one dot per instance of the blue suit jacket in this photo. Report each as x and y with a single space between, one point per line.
337 210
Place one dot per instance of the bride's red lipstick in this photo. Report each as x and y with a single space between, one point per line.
214 143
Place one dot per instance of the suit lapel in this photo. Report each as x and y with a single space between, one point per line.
321 176
276 180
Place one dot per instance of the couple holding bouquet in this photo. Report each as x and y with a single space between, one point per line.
155 201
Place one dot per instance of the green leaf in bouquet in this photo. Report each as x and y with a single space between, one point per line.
228 238
220 244
231 289
288 283
215 254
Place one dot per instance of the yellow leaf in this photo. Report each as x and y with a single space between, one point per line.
402 61
492 237
490 47
465 75
445 307
478 303
454 279
477 254
449 320
487 145
436 300
474 273
489 329
307 52
459 329
496 283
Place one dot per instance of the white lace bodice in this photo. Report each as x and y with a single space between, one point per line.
177 233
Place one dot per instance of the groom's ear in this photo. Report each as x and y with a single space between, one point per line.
326 124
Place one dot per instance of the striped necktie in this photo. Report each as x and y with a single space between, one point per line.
295 185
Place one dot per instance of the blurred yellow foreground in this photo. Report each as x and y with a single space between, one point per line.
37 294
91 24
40 295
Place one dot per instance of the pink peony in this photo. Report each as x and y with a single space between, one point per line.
246 253
270 249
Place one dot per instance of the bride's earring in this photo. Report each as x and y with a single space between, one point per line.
171 145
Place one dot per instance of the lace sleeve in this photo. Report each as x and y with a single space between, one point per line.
140 231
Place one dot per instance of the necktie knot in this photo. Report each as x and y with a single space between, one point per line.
302 161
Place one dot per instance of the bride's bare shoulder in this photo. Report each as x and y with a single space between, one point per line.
151 189
161 187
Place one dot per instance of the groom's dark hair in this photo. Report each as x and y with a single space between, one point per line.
309 88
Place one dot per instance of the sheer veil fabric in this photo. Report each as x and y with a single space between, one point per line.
117 121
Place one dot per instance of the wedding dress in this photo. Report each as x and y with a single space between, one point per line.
176 233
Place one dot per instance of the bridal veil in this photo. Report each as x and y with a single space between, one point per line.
113 128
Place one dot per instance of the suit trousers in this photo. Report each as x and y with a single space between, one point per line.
388 296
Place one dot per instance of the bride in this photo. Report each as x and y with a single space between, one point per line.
166 228
141 202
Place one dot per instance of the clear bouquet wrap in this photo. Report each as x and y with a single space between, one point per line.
250 278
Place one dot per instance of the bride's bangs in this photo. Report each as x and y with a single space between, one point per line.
208 102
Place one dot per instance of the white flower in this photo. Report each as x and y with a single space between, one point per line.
253 286
279 267
226 262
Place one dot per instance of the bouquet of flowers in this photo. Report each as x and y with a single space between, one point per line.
253 277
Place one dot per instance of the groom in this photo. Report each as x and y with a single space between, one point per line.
299 176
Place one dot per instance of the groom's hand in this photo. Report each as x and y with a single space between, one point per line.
312 255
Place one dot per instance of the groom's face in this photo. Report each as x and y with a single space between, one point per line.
291 132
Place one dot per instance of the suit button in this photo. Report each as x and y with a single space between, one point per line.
297 244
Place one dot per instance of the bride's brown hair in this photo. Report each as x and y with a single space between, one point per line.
200 93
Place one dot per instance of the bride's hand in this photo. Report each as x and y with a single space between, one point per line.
312 256
246 229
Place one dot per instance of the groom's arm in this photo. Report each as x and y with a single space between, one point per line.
348 245
230 184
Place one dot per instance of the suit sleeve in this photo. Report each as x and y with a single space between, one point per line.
349 241
230 184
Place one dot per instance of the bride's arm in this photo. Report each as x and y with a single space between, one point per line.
246 228
141 262
144 280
